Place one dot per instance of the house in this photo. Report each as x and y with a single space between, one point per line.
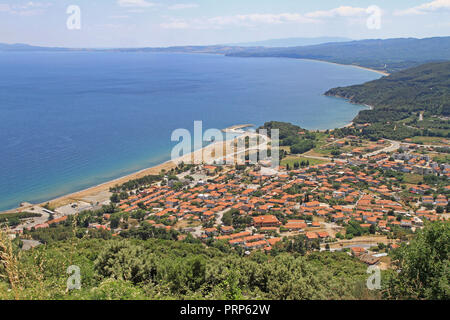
312 204
357 251
266 221
235 242
323 235
57 220
441 201
427 200
311 236
255 245
211 231
171 202
256 237
369 259
273 241
227 229
39 226
295 225
406 223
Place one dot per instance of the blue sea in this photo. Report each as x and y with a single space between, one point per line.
71 120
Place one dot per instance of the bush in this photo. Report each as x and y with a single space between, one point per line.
122 260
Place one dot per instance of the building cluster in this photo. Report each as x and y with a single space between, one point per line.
308 200
317 201
416 163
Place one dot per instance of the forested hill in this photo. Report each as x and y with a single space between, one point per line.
424 88
389 55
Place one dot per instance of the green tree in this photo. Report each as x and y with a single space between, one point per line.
115 198
423 265
122 260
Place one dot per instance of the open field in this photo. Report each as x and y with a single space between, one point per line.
438 141
412 178
372 240
291 160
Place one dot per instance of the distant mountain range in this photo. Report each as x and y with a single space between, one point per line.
291 42
389 55
26 47
216 49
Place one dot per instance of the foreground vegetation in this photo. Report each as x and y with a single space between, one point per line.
166 269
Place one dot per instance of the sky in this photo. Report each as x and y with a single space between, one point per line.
139 23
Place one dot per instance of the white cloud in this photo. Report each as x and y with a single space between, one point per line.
135 3
343 11
4 7
32 4
256 18
425 8
27 9
181 6
119 17
175 25
244 20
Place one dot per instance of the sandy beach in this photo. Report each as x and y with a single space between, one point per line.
100 193
352 65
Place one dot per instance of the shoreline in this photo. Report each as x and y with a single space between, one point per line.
102 190
96 190
100 193
317 60
349 65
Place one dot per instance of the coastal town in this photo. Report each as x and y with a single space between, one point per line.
365 200
233 158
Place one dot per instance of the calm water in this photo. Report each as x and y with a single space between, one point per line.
73 120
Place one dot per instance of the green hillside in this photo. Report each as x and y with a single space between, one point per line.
389 55
424 88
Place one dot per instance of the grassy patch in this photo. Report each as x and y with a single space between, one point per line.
429 140
19 215
412 178
441 158
293 159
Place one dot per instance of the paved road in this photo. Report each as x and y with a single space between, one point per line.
394 146
32 222
265 141
220 216
323 158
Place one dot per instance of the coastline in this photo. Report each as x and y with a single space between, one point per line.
100 193
317 60
96 190
351 65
